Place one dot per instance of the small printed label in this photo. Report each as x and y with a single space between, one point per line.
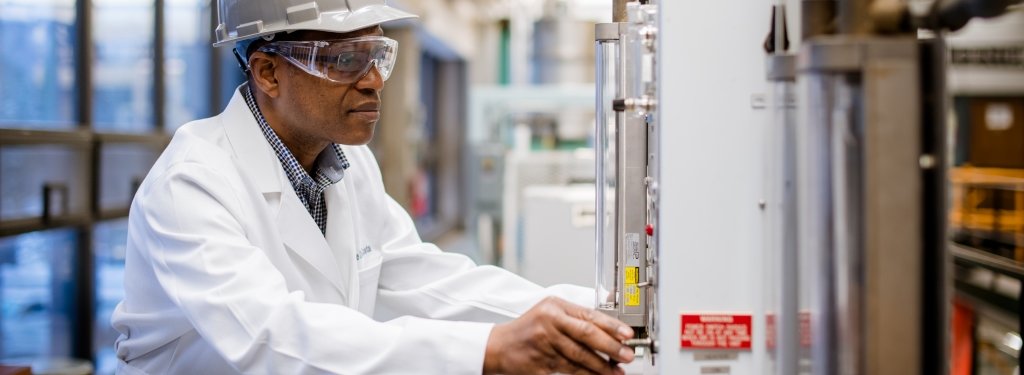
805 330
758 101
715 356
362 252
631 272
632 249
632 275
632 295
714 370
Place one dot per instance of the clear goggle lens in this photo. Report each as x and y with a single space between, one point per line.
343 61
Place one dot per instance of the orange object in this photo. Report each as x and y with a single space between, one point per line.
963 339
988 204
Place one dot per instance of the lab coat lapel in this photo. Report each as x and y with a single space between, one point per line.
342 236
301 234
260 164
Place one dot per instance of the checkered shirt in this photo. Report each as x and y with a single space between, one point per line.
329 168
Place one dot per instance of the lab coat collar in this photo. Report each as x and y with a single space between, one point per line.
255 156
299 232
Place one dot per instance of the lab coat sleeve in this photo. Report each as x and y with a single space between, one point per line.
238 301
419 279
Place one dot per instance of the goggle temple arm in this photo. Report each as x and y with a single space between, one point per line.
241 62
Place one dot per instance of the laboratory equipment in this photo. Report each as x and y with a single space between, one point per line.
522 171
782 317
557 230
626 169
516 139
809 206
871 149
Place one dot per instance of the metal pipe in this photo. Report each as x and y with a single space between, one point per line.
817 17
619 11
937 264
814 184
847 248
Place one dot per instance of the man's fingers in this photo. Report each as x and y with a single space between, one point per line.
614 327
581 356
592 336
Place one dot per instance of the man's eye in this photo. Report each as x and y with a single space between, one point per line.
347 61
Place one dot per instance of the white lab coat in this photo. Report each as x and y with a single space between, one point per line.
227 272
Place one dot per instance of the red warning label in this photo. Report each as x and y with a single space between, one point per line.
805 329
715 331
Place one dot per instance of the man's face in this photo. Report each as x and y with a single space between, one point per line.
317 111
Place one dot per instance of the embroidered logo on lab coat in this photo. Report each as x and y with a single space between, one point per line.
361 252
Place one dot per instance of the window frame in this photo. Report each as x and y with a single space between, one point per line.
90 142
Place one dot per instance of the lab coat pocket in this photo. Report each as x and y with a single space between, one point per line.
369 277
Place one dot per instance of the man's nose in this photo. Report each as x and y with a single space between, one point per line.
372 79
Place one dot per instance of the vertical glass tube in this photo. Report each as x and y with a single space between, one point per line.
771 205
780 232
604 142
790 316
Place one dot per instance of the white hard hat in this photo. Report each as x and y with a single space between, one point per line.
247 19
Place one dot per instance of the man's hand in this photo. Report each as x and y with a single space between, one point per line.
557 336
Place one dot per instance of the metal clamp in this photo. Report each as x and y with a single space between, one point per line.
645 342
644 103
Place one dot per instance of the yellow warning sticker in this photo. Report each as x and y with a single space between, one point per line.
632 292
632 275
632 295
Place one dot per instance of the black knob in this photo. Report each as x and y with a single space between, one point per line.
619 105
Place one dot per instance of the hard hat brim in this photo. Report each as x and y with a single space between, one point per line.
335 22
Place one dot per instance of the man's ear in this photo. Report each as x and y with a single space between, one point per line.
263 69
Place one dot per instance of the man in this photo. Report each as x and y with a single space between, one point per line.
262 240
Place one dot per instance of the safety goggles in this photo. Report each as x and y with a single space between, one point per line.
343 61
